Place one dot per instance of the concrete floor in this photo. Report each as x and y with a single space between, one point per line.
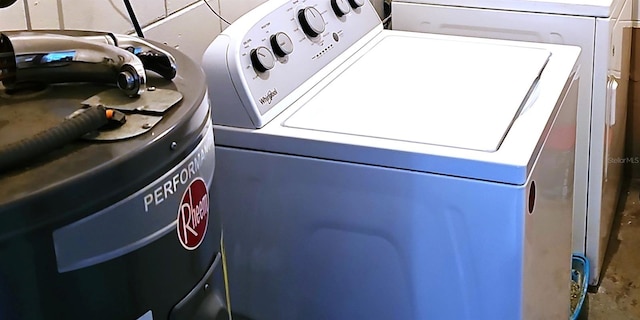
618 296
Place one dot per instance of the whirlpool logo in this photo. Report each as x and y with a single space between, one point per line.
267 98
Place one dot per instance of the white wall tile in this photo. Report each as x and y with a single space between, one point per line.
109 15
45 14
190 30
175 5
231 10
13 17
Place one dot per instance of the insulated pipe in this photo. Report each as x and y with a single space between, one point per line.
46 141
153 58
35 57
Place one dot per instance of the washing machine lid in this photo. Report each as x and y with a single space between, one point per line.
458 94
588 8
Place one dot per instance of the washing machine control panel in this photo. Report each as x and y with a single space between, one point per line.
273 50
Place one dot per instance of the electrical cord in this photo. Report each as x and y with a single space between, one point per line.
386 22
134 20
216 13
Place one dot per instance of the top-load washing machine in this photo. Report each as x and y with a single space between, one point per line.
377 174
601 28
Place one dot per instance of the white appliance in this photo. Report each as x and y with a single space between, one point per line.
602 29
376 174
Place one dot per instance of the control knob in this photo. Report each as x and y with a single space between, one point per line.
281 44
262 59
356 3
311 21
340 7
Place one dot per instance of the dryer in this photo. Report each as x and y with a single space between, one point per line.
378 174
602 29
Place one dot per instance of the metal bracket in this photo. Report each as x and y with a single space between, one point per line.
137 110
153 100
136 125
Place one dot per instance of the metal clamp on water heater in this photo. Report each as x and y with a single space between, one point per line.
35 57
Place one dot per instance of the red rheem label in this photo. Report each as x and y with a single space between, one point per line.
193 214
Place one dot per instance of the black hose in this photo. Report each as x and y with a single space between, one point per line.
46 141
134 20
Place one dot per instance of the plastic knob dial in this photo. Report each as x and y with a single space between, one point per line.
356 3
262 59
281 44
340 7
311 21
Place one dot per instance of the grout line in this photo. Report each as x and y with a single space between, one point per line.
188 7
60 15
172 15
26 14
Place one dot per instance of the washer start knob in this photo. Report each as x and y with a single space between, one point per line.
262 59
311 21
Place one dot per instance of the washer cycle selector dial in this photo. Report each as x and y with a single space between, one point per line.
281 44
262 59
311 21
356 3
340 7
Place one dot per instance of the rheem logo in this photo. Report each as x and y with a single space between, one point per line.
193 215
